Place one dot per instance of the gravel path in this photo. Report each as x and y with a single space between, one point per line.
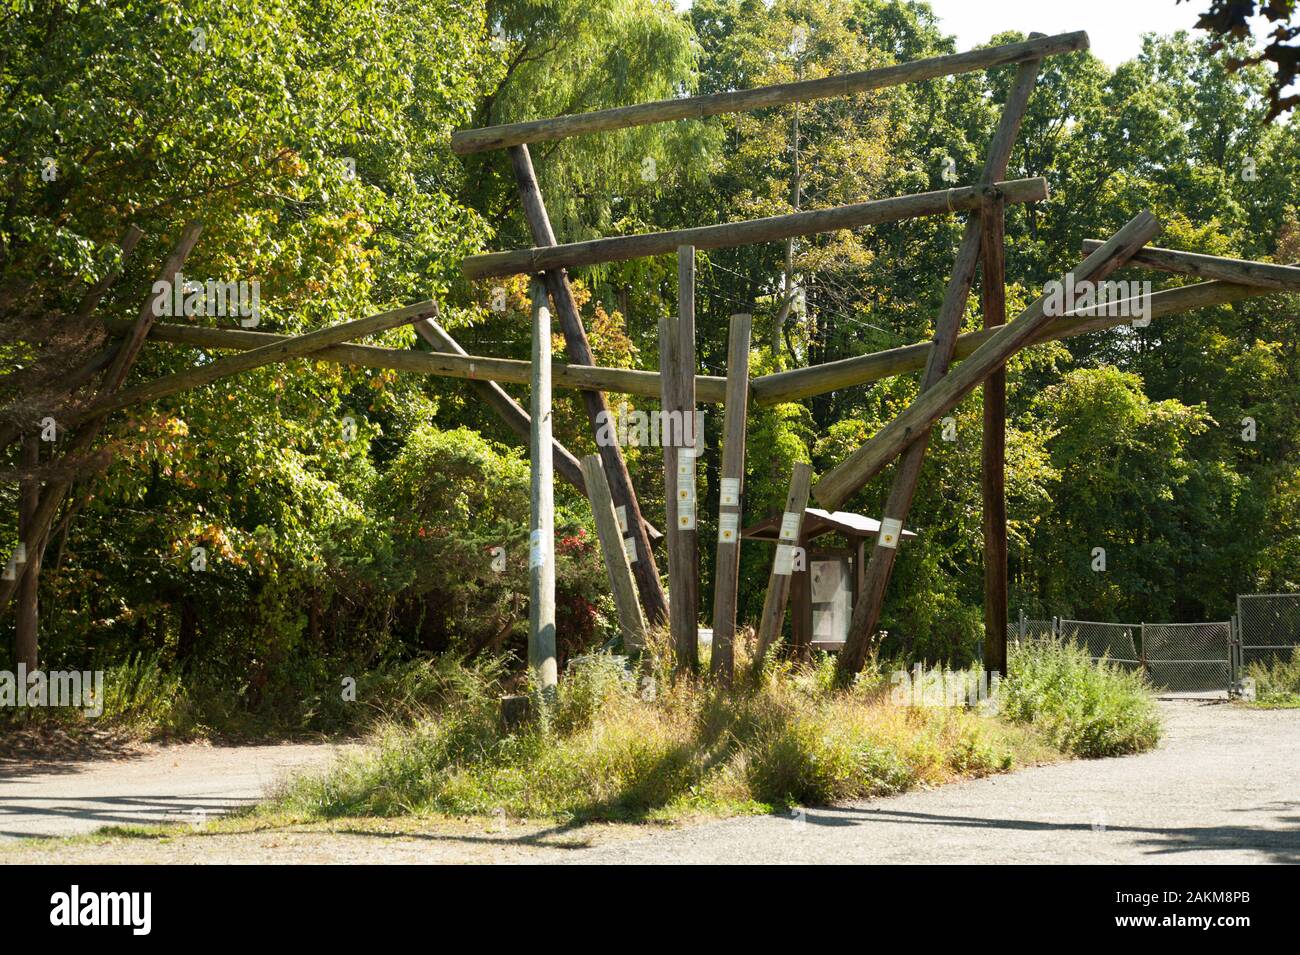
1223 787
151 784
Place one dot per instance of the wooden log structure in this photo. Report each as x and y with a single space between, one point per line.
631 623
749 231
541 524
698 107
778 583
866 613
847 372
765 390
726 568
677 364
579 351
993 305
941 397
631 381
298 346
1280 278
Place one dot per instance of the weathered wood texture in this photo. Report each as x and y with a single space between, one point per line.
726 569
940 398
677 365
115 377
579 351
708 388
993 302
866 613
778 583
765 390
864 369
748 232
631 623
299 346
1280 278
698 107
541 538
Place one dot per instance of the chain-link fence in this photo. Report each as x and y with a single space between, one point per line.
1268 628
1188 657
1177 657
1114 641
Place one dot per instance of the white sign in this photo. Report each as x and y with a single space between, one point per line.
621 513
629 548
730 493
784 564
728 528
686 513
890 531
536 554
790 525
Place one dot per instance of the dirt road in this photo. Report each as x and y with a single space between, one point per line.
1224 786
147 785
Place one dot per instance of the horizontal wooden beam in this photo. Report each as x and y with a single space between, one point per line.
284 349
765 390
863 369
750 231
630 381
697 107
1282 278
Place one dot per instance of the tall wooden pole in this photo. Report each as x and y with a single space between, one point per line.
993 299
27 631
726 571
541 539
617 565
677 373
866 614
579 352
778 584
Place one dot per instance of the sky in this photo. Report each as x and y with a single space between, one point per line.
1115 27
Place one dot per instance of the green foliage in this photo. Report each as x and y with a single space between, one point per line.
1128 439
1084 708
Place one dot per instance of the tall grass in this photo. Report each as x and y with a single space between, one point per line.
1278 682
615 743
1084 708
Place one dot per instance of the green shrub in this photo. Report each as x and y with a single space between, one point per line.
1084 708
1278 682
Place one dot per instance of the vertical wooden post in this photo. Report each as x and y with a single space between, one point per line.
778 584
578 349
993 299
630 621
871 599
541 539
27 628
677 376
731 495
